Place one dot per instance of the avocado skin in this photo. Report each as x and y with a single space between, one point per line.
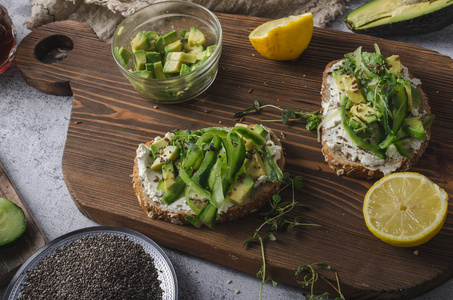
427 23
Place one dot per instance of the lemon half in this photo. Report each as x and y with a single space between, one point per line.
283 39
405 209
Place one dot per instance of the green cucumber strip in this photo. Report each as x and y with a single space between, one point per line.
189 201
399 102
192 160
218 198
235 151
207 216
175 191
214 143
192 185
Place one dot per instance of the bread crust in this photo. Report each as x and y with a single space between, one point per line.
342 166
160 211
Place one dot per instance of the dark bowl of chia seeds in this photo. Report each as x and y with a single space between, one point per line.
102 262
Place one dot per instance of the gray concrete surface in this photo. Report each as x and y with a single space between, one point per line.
33 129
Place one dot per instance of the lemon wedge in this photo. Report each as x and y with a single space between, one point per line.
405 209
283 39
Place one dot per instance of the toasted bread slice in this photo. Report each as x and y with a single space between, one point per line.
155 209
344 163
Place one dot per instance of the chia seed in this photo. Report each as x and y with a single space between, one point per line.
94 267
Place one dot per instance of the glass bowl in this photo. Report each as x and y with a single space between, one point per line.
165 17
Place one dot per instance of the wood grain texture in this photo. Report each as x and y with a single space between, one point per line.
109 119
14 255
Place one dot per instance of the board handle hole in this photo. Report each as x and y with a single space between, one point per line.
53 49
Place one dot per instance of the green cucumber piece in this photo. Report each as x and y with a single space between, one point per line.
12 222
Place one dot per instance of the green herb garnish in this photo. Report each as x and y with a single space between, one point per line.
277 219
312 276
288 115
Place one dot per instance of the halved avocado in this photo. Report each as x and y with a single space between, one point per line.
400 17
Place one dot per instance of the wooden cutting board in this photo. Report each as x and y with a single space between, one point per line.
13 256
109 119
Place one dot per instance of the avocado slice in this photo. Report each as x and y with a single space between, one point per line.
169 153
414 127
241 189
355 92
172 66
400 17
157 146
173 47
182 33
197 50
152 37
184 69
393 64
165 40
139 60
159 70
196 37
199 63
140 42
168 175
12 222
143 73
152 57
365 113
125 55
150 68
182 57
351 85
254 165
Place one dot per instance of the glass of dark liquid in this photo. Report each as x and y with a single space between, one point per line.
7 40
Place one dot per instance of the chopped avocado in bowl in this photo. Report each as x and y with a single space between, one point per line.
169 51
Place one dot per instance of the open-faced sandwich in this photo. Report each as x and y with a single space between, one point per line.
208 175
376 118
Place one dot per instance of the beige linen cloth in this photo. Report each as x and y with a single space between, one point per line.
105 15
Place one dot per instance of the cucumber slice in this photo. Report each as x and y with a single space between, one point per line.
12 222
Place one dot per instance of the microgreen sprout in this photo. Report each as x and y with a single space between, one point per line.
311 276
312 119
277 219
